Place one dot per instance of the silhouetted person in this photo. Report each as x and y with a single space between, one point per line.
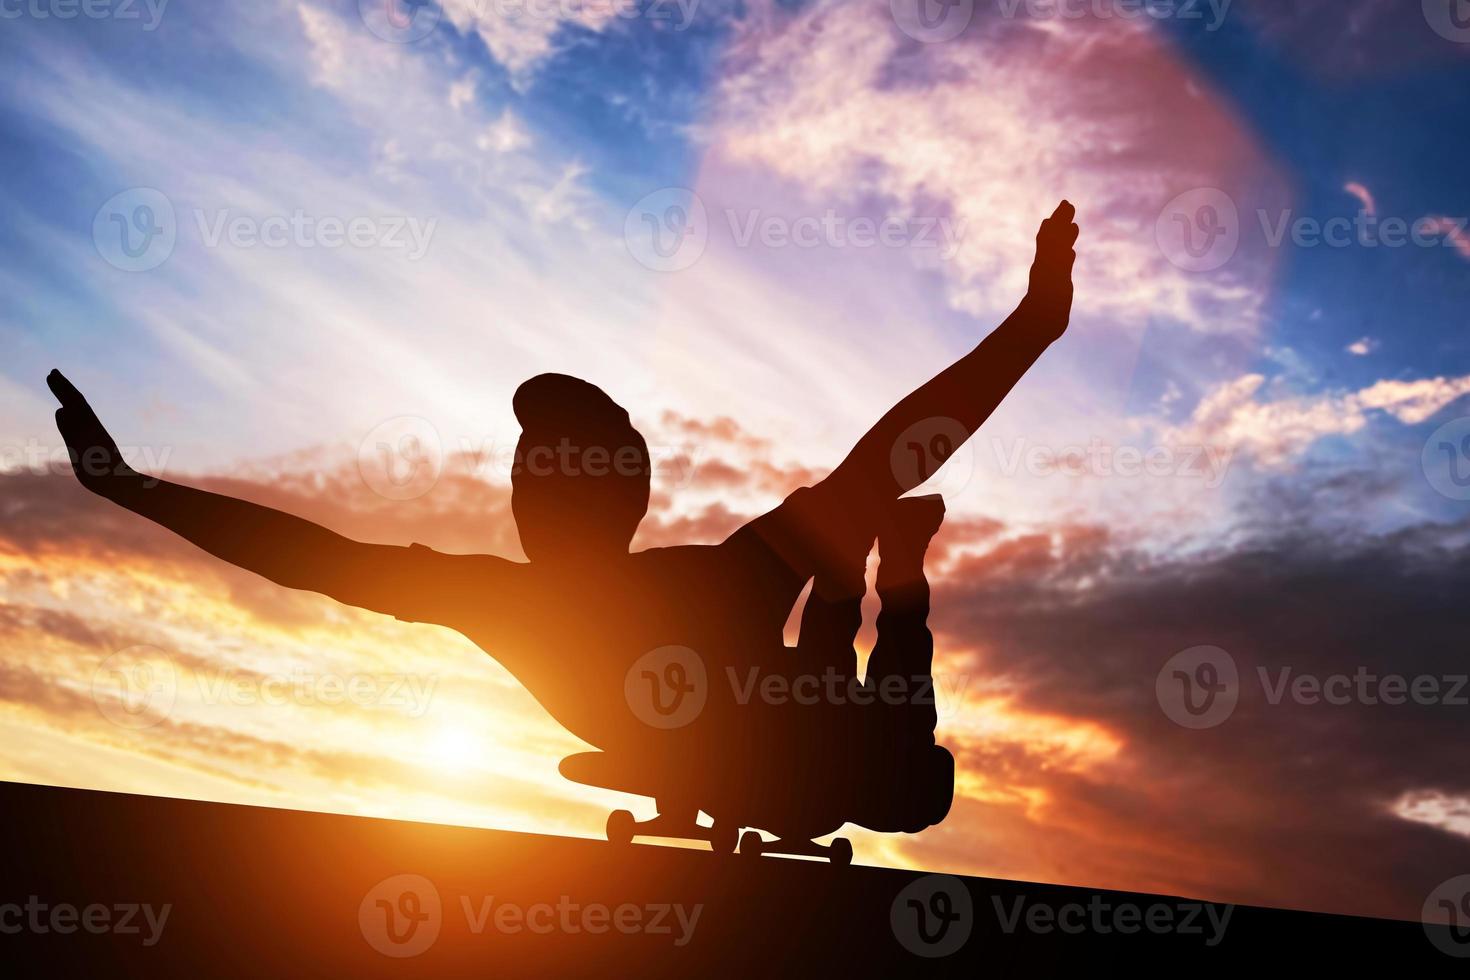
571 621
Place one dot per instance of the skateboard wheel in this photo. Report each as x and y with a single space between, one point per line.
840 853
620 827
751 843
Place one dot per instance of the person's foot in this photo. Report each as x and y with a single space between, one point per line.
933 787
1049 300
904 538
905 791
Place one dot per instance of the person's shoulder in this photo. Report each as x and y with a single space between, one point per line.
672 554
799 506
676 561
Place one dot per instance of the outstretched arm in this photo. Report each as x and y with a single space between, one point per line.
287 550
955 403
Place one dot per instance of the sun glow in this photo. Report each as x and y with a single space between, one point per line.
454 748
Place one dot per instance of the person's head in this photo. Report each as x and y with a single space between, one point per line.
580 483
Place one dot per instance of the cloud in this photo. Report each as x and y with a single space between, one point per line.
1362 347
1436 809
521 36
1364 196
1287 802
1274 432
992 130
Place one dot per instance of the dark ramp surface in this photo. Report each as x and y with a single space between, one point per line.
262 892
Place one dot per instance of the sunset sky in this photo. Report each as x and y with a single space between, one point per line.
1290 393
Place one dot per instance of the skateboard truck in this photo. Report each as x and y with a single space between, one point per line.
622 827
839 852
677 819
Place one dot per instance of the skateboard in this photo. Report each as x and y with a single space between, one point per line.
677 818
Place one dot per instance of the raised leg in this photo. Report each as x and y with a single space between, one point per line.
907 782
900 671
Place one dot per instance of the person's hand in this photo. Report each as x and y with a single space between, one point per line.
1049 300
94 455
